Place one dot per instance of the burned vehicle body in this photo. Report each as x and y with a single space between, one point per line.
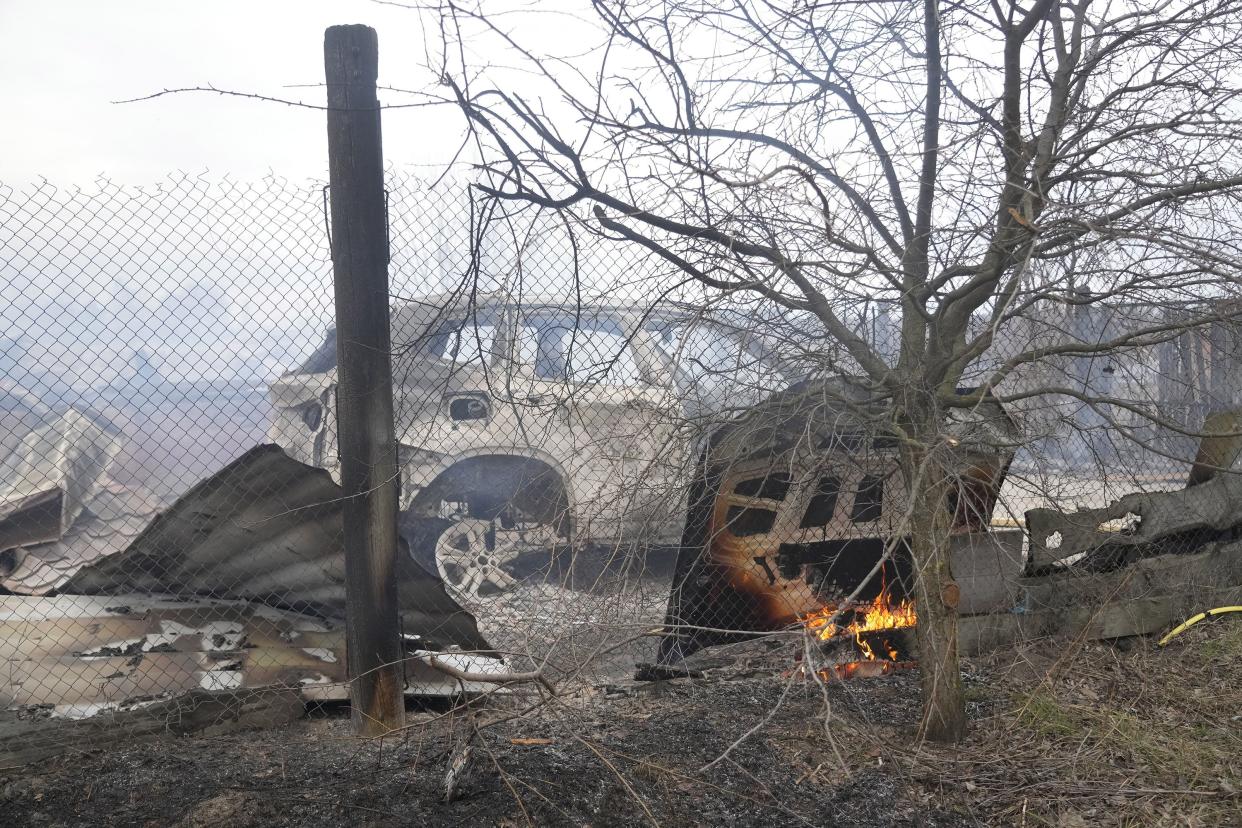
792 506
527 426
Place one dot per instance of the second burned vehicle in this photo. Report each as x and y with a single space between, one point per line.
800 506
530 428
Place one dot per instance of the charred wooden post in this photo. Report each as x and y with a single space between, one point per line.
364 389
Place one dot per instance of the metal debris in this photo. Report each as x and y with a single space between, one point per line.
113 604
59 509
268 528
83 655
792 504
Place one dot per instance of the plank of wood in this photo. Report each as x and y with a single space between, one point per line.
1115 619
1218 566
364 400
210 713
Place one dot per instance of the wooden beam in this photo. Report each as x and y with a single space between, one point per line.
1115 619
367 443
1212 506
1218 566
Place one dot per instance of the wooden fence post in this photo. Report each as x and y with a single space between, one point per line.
364 378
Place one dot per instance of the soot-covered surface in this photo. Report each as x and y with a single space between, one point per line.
609 755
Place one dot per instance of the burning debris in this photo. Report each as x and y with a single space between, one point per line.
865 669
874 629
795 519
864 640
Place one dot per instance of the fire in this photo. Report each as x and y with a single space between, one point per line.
879 614
866 669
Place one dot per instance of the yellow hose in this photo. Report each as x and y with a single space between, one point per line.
1195 619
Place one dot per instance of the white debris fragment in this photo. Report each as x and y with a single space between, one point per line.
321 653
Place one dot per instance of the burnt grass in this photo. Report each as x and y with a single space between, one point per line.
627 753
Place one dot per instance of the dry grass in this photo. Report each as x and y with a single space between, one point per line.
1094 735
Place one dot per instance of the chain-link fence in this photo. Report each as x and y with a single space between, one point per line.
171 514
580 433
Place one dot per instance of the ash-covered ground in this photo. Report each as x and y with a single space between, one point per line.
611 754
1062 734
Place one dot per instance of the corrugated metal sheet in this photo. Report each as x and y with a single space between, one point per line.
59 510
112 517
239 584
63 461
268 528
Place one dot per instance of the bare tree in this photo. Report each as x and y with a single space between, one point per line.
966 163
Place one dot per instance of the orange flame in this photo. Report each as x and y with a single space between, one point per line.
865 669
879 614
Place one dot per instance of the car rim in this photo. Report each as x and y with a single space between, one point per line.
469 557
472 555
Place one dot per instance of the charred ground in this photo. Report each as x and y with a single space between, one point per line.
1062 735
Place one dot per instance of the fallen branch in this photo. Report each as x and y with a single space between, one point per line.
536 676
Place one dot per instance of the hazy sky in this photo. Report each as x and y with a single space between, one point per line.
62 62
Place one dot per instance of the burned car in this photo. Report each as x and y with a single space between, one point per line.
527 428
792 506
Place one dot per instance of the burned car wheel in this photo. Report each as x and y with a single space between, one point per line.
481 558
471 556
486 523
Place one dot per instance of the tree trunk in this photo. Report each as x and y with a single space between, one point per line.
936 593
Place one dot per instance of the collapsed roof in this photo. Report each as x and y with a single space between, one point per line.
267 528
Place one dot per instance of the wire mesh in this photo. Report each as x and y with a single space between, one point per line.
575 426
